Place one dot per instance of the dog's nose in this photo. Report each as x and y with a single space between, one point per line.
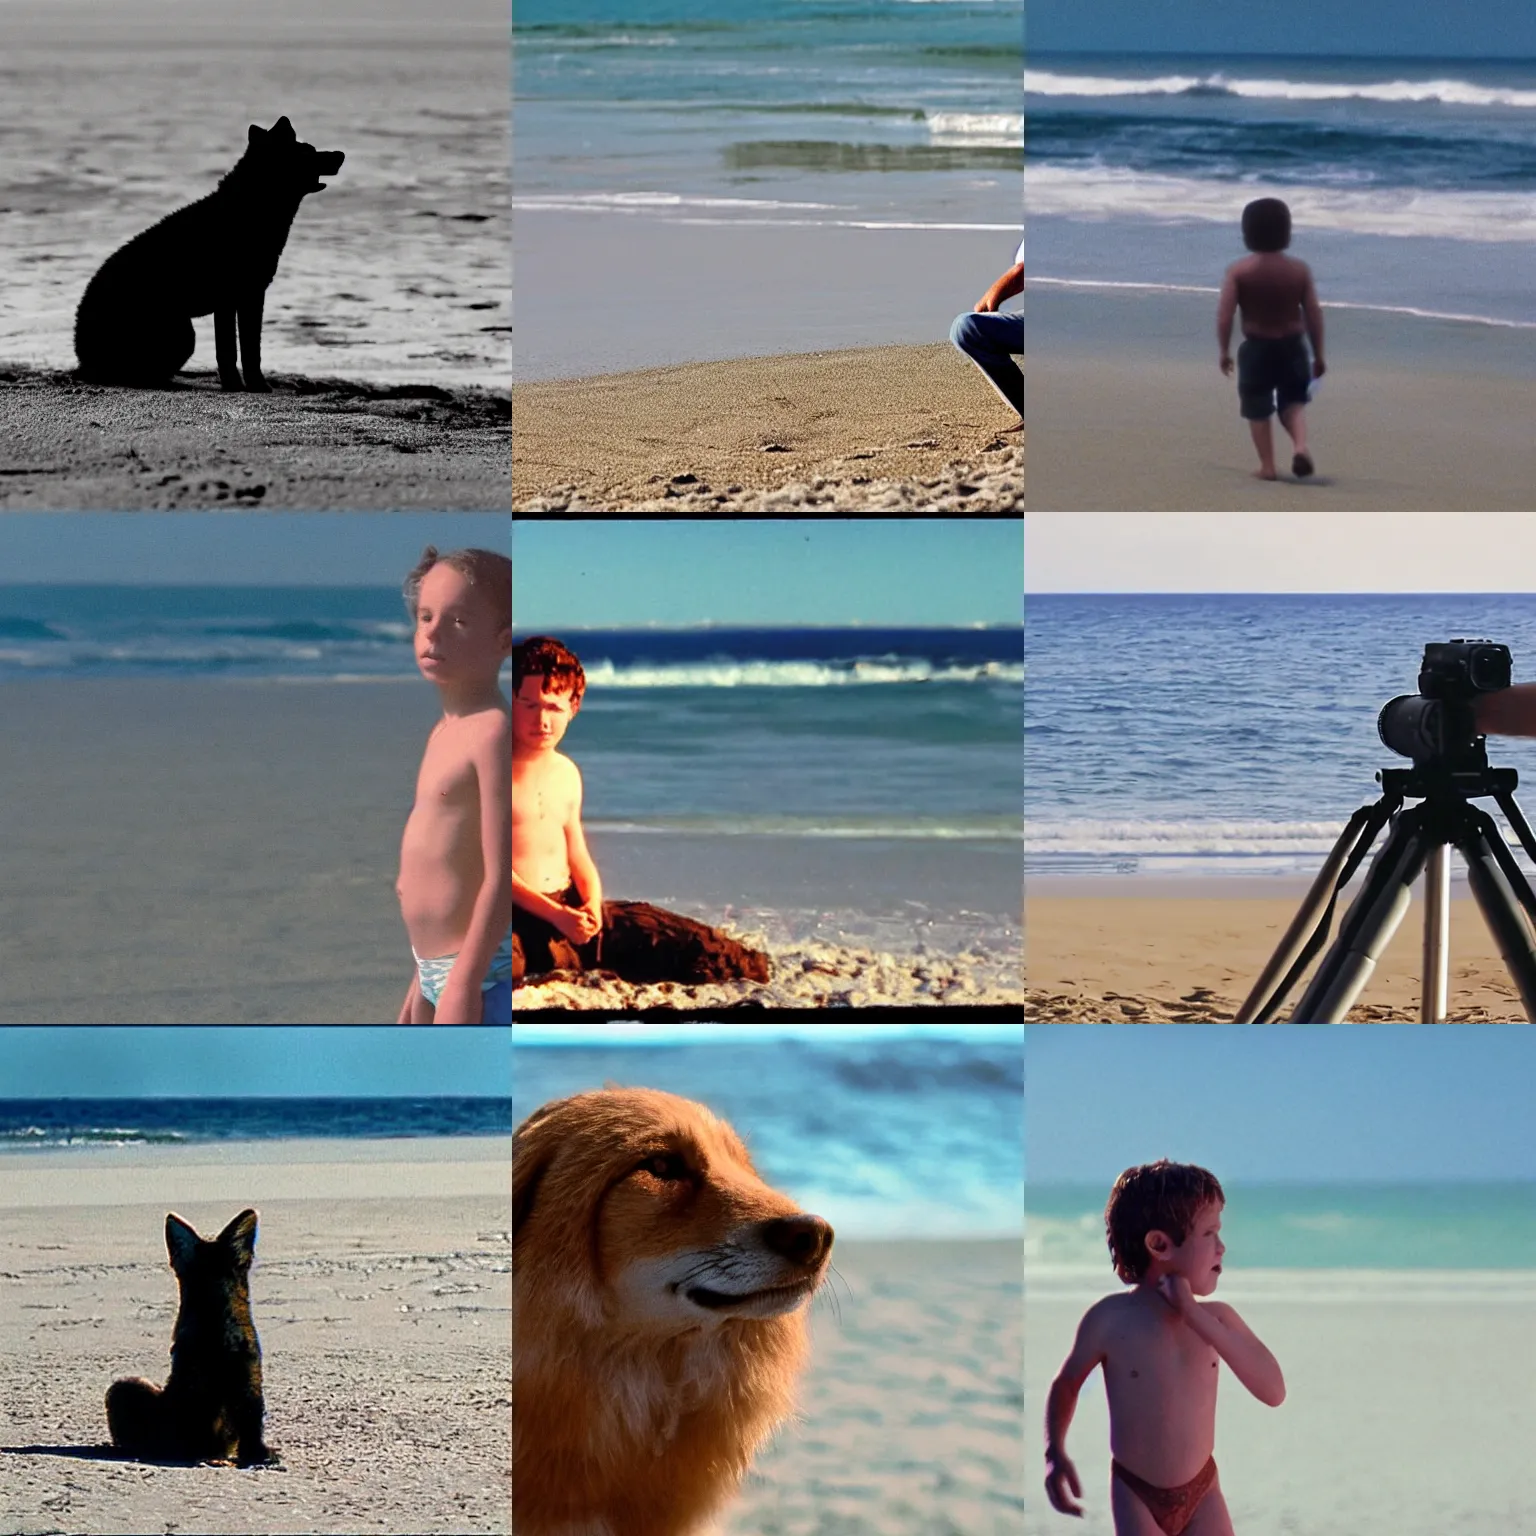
805 1239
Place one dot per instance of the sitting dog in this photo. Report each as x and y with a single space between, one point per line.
211 1408
215 256
658 1314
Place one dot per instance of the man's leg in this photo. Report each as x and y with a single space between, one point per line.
1264 441
1294 419
991 341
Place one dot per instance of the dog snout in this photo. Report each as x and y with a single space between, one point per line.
805 1240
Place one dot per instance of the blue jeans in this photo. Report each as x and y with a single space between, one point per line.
988 340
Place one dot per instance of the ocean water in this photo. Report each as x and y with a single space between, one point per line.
905 735
332 634
1226 733
399 271
28 1125
1411 181
1345 1226
885 1138
888 114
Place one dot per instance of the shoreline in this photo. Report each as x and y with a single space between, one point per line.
342 444
891 428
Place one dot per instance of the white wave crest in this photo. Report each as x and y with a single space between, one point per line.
1117 193
1460 93
797 674
1004 129
1179 838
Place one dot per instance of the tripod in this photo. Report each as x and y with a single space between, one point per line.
1420 839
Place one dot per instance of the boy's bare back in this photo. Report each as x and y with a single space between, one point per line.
546 800
1272 293
442 858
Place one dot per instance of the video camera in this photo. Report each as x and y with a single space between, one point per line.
1437 726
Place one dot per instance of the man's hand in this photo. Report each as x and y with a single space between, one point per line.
1226 364
1174 1289
1319 367
985 305
1060 1475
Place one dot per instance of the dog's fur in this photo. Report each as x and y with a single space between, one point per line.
658 1314
217 255
211 1409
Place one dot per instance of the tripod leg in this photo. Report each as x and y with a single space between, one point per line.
1437 935
1505 921
1368 926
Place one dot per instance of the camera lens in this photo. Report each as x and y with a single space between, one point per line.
1411 726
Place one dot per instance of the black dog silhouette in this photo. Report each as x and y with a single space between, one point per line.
211 1408
215 256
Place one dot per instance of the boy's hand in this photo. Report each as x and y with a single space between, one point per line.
1226 364
459 1004
1174 1289
575 924
1061 1475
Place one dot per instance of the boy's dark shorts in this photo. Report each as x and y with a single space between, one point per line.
1271 369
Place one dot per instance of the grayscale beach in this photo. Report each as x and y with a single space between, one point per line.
381 1294
205 852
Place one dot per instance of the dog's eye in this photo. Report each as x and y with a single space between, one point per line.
668 1166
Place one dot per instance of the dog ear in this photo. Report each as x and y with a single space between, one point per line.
283 129
180 1241
255 134
530 1162
240 1238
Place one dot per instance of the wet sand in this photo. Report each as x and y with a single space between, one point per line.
1189 952
886 428
1129 412
381 1294
330 444
911 1408
205 852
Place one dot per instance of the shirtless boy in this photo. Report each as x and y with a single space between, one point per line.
555 884
455 884
1278 301
1160 1348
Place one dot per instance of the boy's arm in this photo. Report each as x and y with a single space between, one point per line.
1226 313
584 873
1010 283
1312 310
1231 1338
1061 1404
490 752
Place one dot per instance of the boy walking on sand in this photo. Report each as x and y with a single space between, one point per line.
1160 1349
455 884
992 340
1278 302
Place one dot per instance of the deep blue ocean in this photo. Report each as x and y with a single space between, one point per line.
1226 733
888 113
910 734
33 1124
893 1137
330 633
1412 181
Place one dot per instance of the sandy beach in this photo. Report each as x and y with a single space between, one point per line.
1404 1412
1188 951
910 1409
910 428
1129 412
336 444
201 851
382 1296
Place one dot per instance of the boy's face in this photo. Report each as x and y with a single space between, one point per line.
1198 1257
459 636
539 715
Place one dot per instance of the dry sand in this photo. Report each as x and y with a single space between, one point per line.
808 975
206 852
331 444
887 428
910 1412
1408 1407
384 1318
1189 953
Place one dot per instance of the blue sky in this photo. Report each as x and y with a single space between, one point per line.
1384 1102
346 549
1372 28
205 1061
622 575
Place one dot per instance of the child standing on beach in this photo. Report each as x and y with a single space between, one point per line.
1160 1348
1278 301
455 883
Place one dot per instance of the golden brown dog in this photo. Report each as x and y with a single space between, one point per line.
658 1314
